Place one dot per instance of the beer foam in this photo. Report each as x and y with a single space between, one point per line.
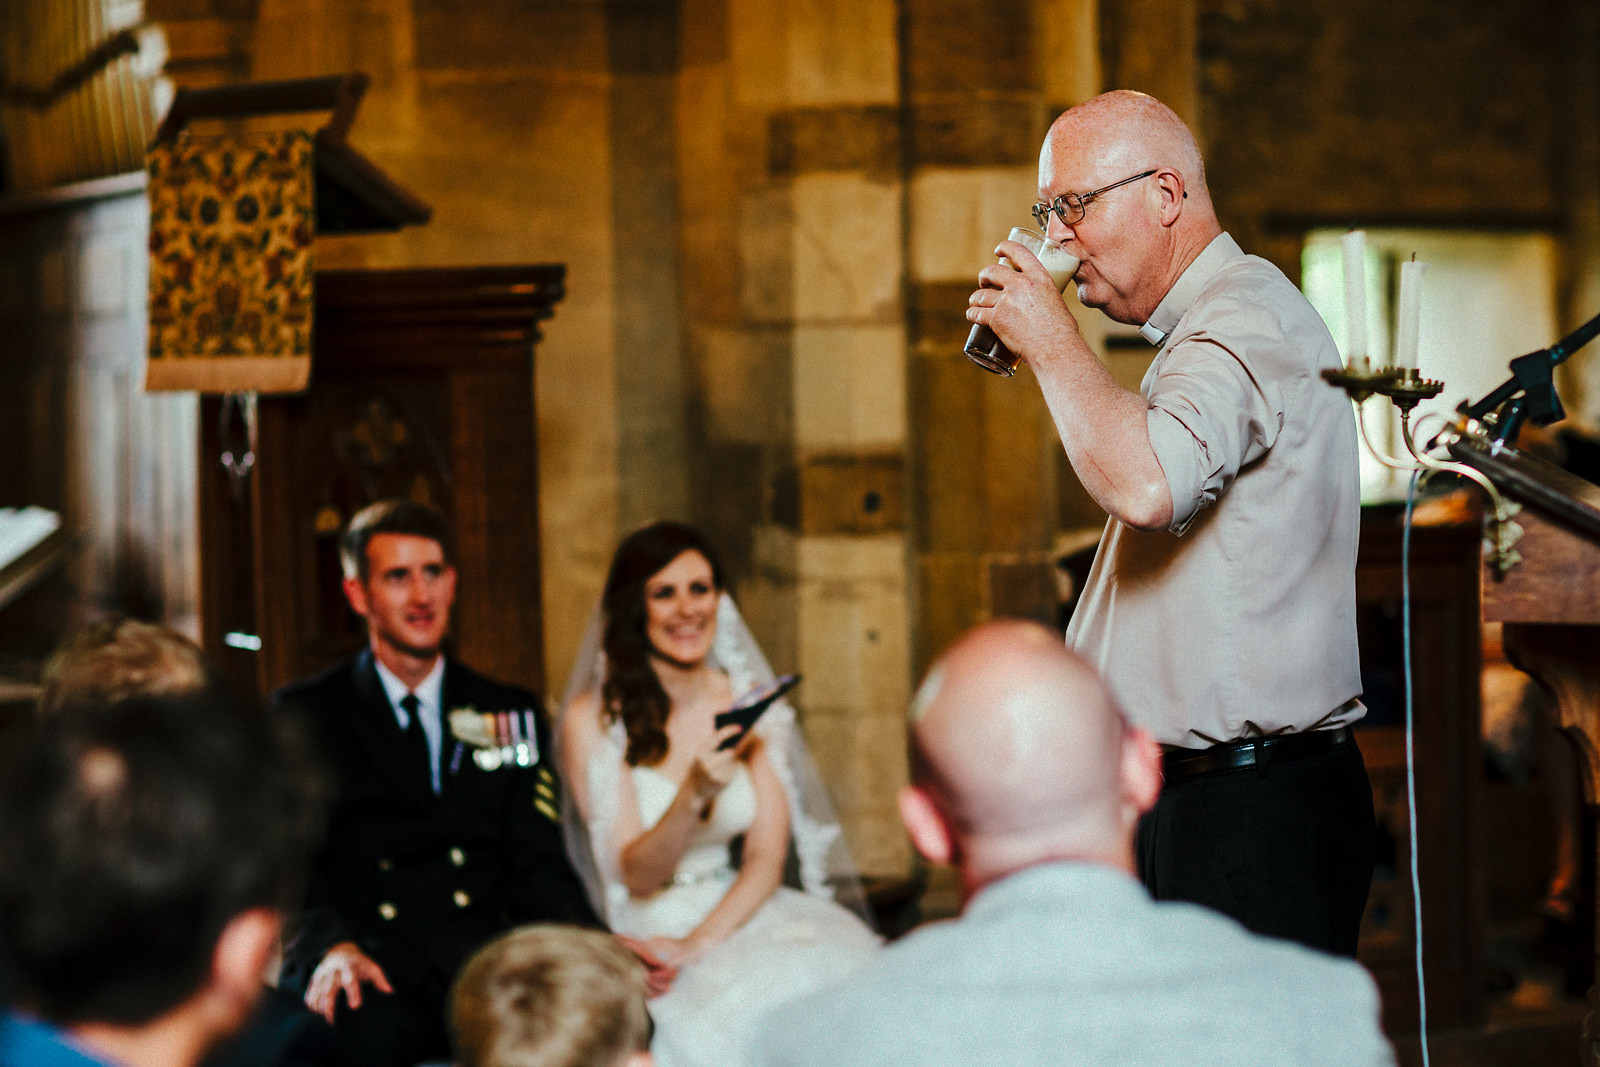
1060 263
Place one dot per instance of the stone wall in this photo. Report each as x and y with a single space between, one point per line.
793 243
983 84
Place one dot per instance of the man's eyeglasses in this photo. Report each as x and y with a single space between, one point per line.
1070 207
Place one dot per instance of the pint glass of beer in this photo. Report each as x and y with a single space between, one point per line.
983 347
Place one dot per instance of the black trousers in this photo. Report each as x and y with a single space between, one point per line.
282 1032
1285 848
388 1030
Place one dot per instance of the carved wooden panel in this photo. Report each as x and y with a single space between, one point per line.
422 388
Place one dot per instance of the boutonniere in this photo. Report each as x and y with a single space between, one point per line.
497 738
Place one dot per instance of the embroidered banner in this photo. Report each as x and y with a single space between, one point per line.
231 228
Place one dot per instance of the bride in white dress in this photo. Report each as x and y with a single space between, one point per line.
656 806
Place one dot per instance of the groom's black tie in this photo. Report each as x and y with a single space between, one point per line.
416 739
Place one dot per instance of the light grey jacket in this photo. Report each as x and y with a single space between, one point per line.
1073 963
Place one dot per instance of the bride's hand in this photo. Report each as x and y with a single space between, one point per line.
713 769
658 973
671 951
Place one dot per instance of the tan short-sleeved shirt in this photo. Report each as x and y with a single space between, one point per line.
1239 619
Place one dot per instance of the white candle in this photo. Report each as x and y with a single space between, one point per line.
1354 244
1406 335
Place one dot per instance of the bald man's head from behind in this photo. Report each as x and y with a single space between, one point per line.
1021 757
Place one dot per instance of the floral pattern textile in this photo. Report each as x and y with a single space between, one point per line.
231 227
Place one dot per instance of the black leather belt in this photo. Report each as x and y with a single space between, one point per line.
1178 764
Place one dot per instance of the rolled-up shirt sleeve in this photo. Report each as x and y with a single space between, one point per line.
1245 624
1213 410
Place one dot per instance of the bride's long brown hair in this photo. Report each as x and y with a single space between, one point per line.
631 691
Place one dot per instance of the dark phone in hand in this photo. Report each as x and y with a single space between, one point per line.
751 706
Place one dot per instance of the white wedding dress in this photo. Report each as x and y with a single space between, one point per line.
796 941
799 940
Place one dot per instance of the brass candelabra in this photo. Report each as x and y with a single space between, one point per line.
1405 388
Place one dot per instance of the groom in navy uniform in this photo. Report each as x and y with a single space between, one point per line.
434 845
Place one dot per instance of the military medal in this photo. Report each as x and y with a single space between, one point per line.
497 738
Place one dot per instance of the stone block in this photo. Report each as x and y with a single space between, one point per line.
1019 444
298 38
1002 131
849 387
1075 508
1021 585
958 47
851 494
578 472
729 503
864 756
937 321
950 599
767 227
1067 43
947 391
476 35
769 596
778 554
746 380
853 629
719 153
1361 123
758 54
826 606
197 9
643 36
842 51
483 154
846 249
517 171
833 739
959 216
879 844
1150 45
708 43
847 137
862 759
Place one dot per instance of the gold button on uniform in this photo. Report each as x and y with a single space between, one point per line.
462 900
386 909
458 857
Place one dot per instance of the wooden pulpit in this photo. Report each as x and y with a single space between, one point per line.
1549 603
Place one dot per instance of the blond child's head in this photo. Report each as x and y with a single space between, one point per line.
551 996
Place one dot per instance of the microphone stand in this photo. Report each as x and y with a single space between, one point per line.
1530 392
1491 424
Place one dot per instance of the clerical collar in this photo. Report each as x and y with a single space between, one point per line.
1152 333
1222 250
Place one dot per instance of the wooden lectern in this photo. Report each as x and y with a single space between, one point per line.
1549 604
